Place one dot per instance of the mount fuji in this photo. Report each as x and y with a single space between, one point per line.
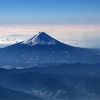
41 38
41 49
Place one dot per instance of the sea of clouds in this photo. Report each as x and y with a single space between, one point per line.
75 35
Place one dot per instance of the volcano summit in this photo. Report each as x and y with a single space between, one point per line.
41 38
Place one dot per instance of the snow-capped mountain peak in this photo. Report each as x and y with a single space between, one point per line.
41 38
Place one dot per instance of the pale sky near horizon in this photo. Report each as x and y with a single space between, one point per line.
75 22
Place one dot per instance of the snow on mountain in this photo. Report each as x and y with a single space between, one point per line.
41 38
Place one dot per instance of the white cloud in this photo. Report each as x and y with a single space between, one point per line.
79 35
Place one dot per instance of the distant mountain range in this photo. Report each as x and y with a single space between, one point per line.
41 49
52 82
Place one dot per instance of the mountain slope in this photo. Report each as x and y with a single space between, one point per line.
42 48
6 94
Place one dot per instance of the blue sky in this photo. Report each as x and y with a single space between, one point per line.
49 12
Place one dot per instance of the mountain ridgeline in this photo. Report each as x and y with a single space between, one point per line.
41 49
51 82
